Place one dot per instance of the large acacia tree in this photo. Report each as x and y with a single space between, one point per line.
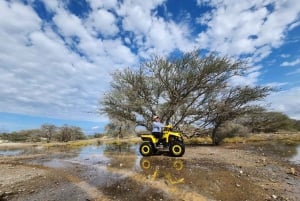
186 90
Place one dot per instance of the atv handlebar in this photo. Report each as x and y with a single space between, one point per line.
168 127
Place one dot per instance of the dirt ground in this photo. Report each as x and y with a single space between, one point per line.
252 175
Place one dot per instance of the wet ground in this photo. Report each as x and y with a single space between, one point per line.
119 172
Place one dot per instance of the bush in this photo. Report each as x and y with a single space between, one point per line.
230 130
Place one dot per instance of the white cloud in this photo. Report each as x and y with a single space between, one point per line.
291 63
130 22
59 68
40 72
285 55
247 80
153 34
118 52
70 25
294 25
53 5
163 40
286 102
103 22
16 17
95 127
247 27
233 27
277 84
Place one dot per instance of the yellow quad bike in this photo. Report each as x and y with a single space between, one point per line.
171 141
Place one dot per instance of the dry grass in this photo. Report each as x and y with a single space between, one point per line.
76 143
287 137
198 140
290 138
79 143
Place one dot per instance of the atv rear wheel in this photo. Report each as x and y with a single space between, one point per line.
177 149
145 164
146 149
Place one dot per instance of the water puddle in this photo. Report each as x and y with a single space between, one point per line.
290 152
122 174
119 172
99 153
19 151
295 158
10 152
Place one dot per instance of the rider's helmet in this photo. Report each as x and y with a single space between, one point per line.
155 117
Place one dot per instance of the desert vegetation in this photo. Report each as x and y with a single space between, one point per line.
46 133
195 94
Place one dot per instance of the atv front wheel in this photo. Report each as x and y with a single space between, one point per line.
177 149
146 149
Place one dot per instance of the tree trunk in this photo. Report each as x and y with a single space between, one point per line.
214 136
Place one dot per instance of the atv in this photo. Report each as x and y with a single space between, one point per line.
171 141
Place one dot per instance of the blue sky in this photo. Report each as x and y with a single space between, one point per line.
57 56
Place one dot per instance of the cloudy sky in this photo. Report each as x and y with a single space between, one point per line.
56 56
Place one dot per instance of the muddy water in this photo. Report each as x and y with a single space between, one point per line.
119 172
8 151
286 151
290 152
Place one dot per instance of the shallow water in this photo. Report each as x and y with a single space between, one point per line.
286 151
11 152
93 153
119 172
19 151
122 174
296 158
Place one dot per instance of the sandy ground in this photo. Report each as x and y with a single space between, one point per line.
270 178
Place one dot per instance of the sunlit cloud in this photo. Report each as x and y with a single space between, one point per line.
57 62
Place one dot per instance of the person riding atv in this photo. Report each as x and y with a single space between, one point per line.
170 140
157 128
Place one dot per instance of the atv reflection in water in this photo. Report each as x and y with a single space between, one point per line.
169 170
